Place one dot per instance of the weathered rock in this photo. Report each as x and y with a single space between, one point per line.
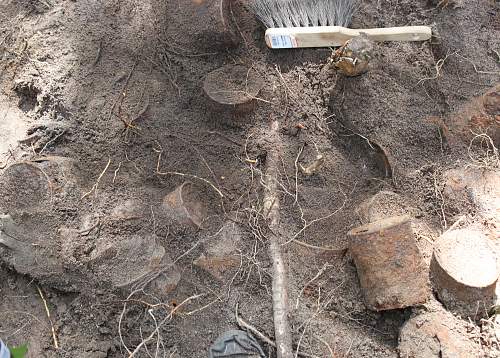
434 335
220 258
389 264
464 272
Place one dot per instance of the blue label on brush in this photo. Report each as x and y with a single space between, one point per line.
282 41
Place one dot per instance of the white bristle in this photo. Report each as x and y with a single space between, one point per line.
304 13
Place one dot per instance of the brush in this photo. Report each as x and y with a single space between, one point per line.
322 23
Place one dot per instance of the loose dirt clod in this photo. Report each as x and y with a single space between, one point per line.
464 272
389 264
122 82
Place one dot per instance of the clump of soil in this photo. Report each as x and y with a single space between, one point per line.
116 87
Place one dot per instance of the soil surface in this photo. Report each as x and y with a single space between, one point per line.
104 100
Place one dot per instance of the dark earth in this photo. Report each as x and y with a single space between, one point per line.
103 113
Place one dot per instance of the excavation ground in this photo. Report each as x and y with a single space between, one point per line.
102 107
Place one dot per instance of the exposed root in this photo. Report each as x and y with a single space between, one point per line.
96 185
320 272
314 221
158 325
330 350
296 163
489 158
159 172
439 195
54 336
247 326
475 67
52 141
116 172
438 66
280 284
255 331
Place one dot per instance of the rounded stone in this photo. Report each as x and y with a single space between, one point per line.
464 271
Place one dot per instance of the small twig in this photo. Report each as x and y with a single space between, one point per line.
116 171
439 65
158 326
185 175
98 55
322 248
94 187
54 337
475 67
456 223
252 329
51 141
332 352
320 272
307 225
297 174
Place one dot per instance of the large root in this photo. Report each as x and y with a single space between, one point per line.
280 285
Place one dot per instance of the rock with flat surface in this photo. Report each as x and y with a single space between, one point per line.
464 272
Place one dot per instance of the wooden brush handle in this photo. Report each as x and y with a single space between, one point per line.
330 36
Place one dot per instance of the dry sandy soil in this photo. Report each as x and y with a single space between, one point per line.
104 98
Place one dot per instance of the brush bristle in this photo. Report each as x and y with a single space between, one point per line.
304 13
